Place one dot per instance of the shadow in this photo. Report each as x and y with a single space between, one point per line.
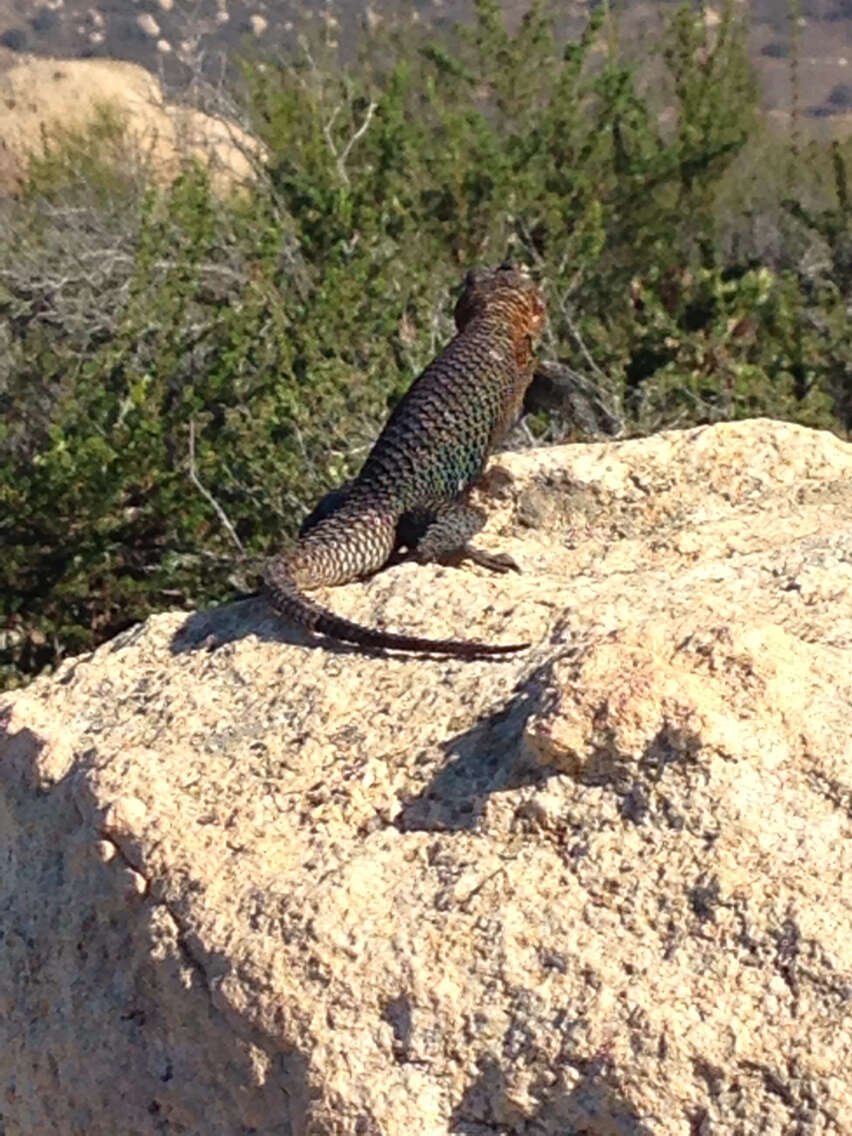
397 1012
211 628
593 1105
214 627
117 1022
488 758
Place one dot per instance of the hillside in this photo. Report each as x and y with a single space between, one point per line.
176 37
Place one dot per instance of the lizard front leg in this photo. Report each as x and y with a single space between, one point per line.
447 539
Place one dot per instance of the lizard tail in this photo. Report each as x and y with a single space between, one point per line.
288 601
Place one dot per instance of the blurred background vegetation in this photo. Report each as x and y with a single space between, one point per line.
182 374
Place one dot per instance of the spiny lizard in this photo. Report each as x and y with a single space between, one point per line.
412 492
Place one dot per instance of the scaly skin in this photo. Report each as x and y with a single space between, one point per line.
412 491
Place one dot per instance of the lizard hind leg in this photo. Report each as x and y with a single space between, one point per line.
447 540
348 544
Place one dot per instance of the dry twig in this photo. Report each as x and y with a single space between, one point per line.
207 495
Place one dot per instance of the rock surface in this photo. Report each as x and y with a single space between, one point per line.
39 96
250 884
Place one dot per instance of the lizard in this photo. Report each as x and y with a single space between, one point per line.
413 489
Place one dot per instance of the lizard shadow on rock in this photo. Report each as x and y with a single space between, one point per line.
593 1104
212 628
154 1019
484 759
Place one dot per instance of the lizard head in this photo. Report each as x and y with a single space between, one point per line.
507 293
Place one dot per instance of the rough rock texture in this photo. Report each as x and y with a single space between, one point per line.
40 95
250 884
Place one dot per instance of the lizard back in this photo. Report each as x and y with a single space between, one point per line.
438 437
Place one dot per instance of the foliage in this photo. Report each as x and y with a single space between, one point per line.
181 376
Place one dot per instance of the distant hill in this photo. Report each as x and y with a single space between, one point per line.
45 93
173 37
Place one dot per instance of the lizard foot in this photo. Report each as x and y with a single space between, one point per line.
493 561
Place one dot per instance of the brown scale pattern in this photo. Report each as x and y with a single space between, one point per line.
411 492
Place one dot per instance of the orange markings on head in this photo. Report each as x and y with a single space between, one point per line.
508 292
